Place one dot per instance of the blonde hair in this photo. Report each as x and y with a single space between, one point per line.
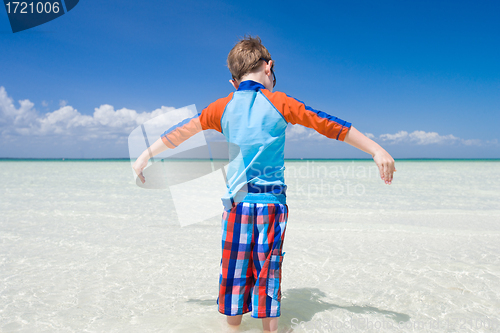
246 56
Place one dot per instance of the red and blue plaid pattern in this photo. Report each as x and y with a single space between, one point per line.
250 272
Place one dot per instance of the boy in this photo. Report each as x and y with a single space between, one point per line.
254 120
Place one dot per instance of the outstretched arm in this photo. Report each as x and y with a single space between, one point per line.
209 118
296 112
382 158
142 160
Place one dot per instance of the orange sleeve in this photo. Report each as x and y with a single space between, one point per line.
296 112
209 118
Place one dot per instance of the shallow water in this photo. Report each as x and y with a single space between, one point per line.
83 249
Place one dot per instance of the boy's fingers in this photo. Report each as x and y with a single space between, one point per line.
381 170
389 172
138 172
388 175
386 172
385 164
141 177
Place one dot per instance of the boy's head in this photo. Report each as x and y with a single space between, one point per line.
246 57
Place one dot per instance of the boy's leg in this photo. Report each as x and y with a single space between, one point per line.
270 324
236 279
267 257
234 321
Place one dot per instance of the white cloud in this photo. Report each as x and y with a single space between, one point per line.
105 122
426 138
419 137
472 142
395 138
492 142
12 115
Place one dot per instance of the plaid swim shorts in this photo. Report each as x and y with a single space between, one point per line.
250 271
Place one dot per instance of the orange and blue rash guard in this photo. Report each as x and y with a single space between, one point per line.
254 121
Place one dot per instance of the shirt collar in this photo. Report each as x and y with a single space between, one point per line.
250 85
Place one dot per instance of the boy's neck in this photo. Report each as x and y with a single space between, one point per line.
256 77
259 77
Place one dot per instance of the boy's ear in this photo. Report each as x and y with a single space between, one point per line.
268 67
234 83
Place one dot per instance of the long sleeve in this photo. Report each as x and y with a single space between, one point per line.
297 112
208 118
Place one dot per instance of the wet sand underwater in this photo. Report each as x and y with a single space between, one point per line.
83 249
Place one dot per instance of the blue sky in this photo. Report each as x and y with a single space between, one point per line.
422 78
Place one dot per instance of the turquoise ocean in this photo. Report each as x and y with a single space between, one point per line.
84 249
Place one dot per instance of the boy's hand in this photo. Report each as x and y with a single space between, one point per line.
142 161
139 165
383 159
385 164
